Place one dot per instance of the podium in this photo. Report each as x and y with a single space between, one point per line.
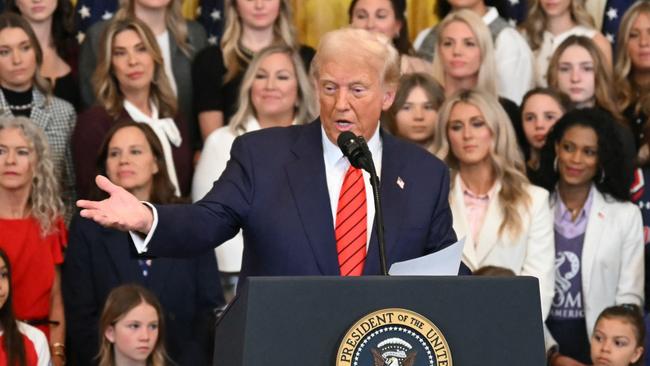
302 321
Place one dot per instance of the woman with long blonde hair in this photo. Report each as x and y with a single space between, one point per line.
32 227
179 40
130 82
218 71
550 22
465 58
632 69
506 221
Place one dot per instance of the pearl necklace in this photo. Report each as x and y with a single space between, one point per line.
23 107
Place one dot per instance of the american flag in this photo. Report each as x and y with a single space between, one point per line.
210 14
614 10
87 12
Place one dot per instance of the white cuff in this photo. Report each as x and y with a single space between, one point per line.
141 244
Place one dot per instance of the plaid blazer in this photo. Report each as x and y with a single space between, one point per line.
57 118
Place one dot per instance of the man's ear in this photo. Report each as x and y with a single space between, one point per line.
389 97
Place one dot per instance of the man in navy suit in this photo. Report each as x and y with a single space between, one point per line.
282 185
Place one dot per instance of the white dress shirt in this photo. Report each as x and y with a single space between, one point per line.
335 168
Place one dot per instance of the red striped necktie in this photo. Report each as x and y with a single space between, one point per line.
351 225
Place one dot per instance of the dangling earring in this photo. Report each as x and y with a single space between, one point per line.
555 164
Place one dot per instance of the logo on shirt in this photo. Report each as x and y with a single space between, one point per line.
394 337
567 302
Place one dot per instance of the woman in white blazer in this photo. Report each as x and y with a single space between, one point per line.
598 232
506 221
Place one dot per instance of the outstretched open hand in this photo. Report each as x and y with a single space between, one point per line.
121 210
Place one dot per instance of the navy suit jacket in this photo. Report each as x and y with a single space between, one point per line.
274 188
99 259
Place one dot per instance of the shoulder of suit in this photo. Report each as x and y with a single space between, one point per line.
94 31
412 153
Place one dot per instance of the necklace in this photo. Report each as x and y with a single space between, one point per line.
23 107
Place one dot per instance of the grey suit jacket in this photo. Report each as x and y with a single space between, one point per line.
57 118
181 64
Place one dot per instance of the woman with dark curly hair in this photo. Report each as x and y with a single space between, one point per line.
52 22
598 232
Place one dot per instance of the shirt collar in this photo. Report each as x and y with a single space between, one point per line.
487 196
491 15
333 154
563 213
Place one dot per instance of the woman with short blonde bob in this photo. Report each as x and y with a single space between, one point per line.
121 342
131 83
506 221
550 22
632 68
274 71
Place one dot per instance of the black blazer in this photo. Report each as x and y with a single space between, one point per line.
99 259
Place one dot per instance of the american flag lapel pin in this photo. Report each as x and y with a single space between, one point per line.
400 182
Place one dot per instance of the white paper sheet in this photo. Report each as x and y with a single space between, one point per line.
441 263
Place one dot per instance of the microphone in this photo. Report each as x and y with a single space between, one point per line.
353 149
357 151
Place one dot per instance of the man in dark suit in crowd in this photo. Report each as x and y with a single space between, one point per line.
289 188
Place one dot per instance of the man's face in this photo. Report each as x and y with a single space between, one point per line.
351 96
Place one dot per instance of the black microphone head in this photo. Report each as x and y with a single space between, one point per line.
351 148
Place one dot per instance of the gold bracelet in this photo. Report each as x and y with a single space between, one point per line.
58 345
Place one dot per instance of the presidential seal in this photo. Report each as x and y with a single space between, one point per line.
394 337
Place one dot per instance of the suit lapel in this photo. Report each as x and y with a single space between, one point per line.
38 114
461 226
488 236
593 236
392 203
308 185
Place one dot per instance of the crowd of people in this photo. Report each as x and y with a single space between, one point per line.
542 128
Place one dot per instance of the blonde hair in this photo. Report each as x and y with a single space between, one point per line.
45 198
536 21
174 21
373 47
487 71
603 94
506 158
120 301
305 104
106 85
283 30
626 87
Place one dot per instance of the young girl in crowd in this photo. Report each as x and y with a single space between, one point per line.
505 219
52 21
550 22
24 92
275 92
414 113
132 329
618 337
389 18
218 70
33 232
131 83
632 70
598 232
540 109
22 344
